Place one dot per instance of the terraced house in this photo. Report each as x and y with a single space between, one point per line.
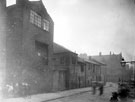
65 64
72 71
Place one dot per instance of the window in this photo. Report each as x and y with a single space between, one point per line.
93 68
73 60
62 60
35 18
45 25
82 69
89 67
42 52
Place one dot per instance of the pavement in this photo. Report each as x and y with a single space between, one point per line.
47 96
51 96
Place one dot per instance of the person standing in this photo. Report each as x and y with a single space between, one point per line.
94 88
123 95
101 89
114 97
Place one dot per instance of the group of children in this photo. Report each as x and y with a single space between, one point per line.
121 95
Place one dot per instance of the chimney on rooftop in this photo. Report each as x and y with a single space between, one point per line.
21 2
3 3
110 53
89 57
100 53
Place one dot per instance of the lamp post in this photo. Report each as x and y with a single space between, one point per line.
123 64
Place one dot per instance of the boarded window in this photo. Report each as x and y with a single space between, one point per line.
42 51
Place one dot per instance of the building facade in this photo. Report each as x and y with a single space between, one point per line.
2 41
29 47
65 63
114 70
93 72
81 73
89 70
72 71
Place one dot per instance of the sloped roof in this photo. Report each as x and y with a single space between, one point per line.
104 58
112 61
80 59
90 61
93 61
99 62
59 48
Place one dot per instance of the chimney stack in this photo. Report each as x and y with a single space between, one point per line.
89 57
21 2
110 53
3 3
100 53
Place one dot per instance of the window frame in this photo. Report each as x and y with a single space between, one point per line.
35 19
46 25
82 68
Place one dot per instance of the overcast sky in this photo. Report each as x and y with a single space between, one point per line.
93 26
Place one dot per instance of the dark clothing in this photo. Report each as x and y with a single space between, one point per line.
94 89
114 97
101 88
123 93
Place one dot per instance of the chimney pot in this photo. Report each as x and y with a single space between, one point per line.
100 53
21 2
110 53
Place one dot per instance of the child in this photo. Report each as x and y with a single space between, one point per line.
114 97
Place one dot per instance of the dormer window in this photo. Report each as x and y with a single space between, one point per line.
45 25
35 18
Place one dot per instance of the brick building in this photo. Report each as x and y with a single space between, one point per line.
65 63
2 40
93 71
114 70
29 47
72 71
88 70
81 73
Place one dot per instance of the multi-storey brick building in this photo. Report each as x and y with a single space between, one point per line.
2 40
29 46
114 70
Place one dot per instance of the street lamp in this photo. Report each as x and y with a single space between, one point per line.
123 64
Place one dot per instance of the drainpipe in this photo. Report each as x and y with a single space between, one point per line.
85 76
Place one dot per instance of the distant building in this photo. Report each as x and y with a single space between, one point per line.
29 46
114 70
84 56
